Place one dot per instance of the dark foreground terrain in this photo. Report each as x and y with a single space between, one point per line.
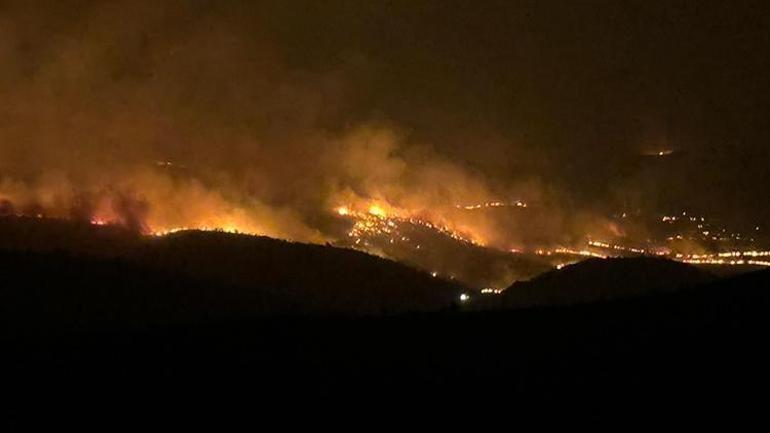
252 322
74 270
699 343
595 280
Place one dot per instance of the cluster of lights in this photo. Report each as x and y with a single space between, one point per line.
673 219
706 231
491 291
708 235
571 252
605 245
730 258
232 230
492 204
99 222
745 254
726 262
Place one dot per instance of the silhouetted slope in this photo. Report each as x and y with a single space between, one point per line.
77 237
747 293
57 292
599 279
320 278
706 342
226 270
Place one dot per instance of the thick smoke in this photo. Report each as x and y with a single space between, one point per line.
193 114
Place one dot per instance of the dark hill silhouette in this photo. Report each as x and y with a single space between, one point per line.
60 293
233 273
84 303
745 293
602 279
700 343
477 266
76 237
319 278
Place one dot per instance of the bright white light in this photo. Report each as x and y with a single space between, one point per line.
464 297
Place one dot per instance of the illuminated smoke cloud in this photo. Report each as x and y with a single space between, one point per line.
179 115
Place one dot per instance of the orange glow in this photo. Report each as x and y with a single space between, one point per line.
377 211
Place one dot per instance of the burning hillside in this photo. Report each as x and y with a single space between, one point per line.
227 123
440 250
450 241
437 247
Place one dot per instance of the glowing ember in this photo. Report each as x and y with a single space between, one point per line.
99 222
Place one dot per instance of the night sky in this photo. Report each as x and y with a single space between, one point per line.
568 91
556 101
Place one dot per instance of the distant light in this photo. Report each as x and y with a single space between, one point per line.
342 210
657 152
464 297
434 274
